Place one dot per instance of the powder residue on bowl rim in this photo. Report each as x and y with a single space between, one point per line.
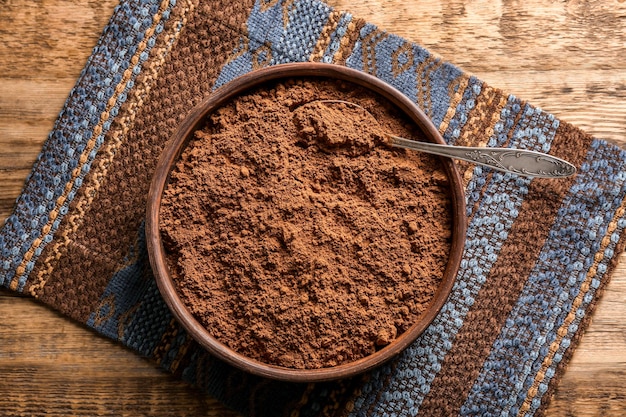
296 235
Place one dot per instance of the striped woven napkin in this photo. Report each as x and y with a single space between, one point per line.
537 254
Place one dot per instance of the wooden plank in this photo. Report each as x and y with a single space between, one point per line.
483 35
594 101
566 57
56 367
50 39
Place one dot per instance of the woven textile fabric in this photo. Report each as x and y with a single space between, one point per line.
537 255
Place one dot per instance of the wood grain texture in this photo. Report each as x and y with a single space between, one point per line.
567 57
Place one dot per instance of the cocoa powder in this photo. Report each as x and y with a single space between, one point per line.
296 235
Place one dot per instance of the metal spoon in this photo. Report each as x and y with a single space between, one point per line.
517 161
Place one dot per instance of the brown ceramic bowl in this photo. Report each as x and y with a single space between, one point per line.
195 120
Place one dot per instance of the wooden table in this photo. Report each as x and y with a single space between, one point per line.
568 57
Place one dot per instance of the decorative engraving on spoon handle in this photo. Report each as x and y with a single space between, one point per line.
517 161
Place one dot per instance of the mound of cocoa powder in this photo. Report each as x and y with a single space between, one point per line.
296 235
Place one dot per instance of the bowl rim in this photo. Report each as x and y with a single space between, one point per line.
195 119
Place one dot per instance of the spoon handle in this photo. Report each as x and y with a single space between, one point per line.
517 161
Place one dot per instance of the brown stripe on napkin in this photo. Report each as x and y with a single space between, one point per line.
500 292
80 247
111 210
